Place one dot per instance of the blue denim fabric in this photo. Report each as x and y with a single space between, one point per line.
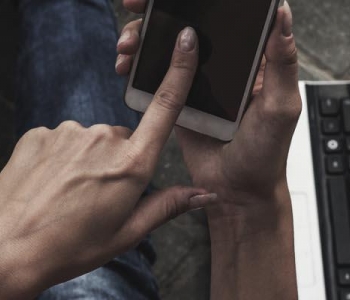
66 71
127 277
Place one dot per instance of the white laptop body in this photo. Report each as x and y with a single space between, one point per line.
300 174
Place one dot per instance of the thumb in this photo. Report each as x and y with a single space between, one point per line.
281 73
158 208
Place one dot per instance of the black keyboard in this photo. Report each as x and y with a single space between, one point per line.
329 115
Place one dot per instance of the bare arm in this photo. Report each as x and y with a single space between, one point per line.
251 225
253 252
69 198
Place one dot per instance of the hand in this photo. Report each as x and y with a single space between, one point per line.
70 197
254 163
251 226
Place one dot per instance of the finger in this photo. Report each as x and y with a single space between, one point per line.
161 115
278 106
159 208
259 78
281 59
129 40
123 64
136 6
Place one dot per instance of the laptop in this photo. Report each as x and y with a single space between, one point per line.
318 174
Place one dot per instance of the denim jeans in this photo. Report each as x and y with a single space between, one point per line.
65 71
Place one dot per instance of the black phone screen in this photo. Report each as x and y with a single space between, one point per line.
229 33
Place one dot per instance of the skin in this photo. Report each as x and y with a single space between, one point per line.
251 224
70 197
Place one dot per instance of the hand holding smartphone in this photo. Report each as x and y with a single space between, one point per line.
232 36
248 174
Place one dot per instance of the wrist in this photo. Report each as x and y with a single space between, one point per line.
251 235
241 215
19 276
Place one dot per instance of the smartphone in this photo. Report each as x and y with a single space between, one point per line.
232 37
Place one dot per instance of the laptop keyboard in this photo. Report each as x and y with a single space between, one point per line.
329 115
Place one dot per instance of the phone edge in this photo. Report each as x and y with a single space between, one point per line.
227 136
258 56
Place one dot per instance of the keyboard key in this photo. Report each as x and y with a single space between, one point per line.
329 106
333 145
335 164
344 276
345 294
330 126
340 218
346 115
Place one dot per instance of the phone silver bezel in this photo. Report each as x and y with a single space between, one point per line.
191 118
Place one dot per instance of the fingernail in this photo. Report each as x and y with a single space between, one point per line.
124 37
120 59
201 201
287 28
187 40
205 198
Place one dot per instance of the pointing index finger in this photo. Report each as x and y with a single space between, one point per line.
162 113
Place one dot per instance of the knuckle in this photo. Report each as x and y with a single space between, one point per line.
291 56
37 136
289 111
102 131
168 98
284 53
69 125
39 132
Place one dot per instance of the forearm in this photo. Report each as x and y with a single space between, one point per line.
253 252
